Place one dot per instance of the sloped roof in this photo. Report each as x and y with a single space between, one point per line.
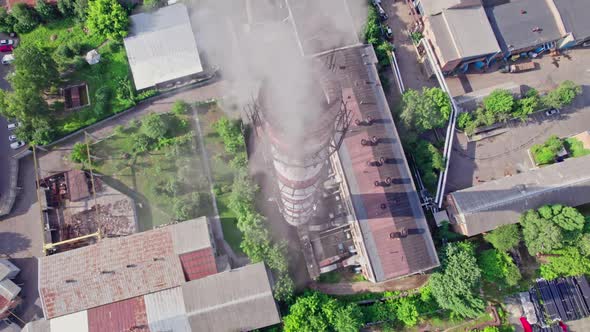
126 315
235 300
574 14
77 185
116 269
161 46
389 257
485 207
514 21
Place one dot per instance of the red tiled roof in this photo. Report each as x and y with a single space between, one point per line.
198 264
127 315
4 302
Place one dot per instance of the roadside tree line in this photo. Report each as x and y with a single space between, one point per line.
256 242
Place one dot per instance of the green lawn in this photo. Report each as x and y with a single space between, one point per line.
144 177
112 68
222 173
575 147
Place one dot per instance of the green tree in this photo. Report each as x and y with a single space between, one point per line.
7 21
107 18
66 7
438 162
154 126
499 102
81 10
540 235
34 69
566 217
152 4
504 237
464 120
46 11
26 18
141 143
182 209
584 245
407 311
564 95
497 267
527 105
79 153
547 152
284 288
316 312
455 286
565 262
180 106
424 111
231 134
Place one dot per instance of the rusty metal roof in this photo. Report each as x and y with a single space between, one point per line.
198 264
383 210
126 315
112 270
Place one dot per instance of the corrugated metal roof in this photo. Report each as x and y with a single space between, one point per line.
112 270
434 7
153 55
364 97
7 268
236 300
166 311
471 31
191 235
126 315
484 207
198 264
41 325
514 21
9 289
574 14
76 322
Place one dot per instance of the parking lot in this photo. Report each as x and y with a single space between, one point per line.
506 154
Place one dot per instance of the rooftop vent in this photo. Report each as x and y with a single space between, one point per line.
383 206
70 281
158 259
131 265
107 272
398 235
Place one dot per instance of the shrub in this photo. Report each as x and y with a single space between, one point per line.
66 7
7 21
564 95
26 18
141 143
499 102
180 107
547 152
79 153
102 101
154 126
46 11
464 119
497 267
146 94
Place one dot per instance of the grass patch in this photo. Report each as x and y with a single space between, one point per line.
144 176
222 173
575 147
112 68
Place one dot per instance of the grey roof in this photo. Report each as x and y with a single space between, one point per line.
191 235
464 33
323 25
433 7
161 46
41 325
514 21
235 300
484 207
165 311
574 14
7 269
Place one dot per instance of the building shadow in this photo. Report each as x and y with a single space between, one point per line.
12 243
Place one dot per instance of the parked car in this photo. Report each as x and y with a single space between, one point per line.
6 48
12 126
16 145
388 32
6 42
7 59
552 111
12 138
382 13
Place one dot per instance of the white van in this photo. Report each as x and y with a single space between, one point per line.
7 59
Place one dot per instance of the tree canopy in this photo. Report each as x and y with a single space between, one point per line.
540 235
107 18
504 237
34 69
154 126
497 267
316 312
455 286
26 19
499 102
427 110
564 95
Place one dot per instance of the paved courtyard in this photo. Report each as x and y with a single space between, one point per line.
506 154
